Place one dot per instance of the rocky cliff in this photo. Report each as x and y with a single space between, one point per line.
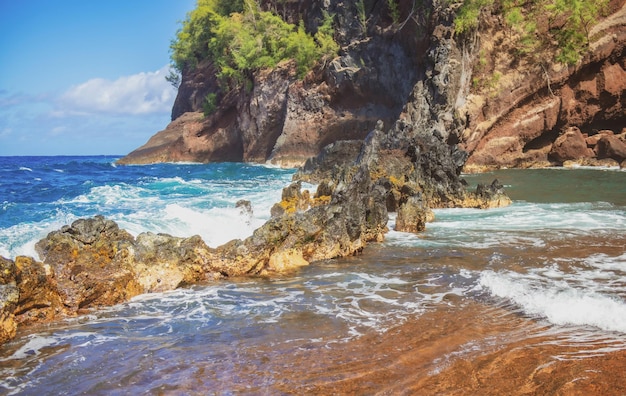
509 110
532 112
285 120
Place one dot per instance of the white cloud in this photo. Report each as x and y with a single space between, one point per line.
56 131
5 132
142 93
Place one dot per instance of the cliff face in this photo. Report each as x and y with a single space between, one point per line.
416 75
284 120
543 113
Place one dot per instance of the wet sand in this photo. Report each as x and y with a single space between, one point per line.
476 350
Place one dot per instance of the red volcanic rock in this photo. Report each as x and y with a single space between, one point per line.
569 146
593 140
610 146
518 123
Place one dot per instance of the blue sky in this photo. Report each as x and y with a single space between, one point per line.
85 77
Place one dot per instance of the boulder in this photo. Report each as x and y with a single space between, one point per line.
592 140
163 262
571 145
611 146
90 262
490 196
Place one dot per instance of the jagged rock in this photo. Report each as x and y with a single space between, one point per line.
491 196
331 160
571 145
292 200
413 215
39 295
162 262
89 259
28 294
9 296
355 215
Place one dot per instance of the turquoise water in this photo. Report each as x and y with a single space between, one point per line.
555 258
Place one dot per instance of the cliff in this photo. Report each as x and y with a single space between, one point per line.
529 111
511 109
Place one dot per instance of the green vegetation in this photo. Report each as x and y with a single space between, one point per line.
360 11
569 22
468 16
239 39
173 78
394 11
210 104
573 34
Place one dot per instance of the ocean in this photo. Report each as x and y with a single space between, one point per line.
527 299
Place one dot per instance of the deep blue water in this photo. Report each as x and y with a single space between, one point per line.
41 194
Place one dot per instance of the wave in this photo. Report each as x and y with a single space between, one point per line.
521 224
558 301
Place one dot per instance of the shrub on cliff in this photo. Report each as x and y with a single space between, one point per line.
239 38
569 22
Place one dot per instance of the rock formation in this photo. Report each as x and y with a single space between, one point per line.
510 121
386 126
93 263
530 115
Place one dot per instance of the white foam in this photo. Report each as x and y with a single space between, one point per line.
557 300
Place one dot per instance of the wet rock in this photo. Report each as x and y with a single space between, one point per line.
413 215
292 200
89 260
9 296
162 262
355 215
488 196
40 299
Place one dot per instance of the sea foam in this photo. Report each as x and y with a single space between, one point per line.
557 301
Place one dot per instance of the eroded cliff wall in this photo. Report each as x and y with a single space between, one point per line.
472 89
529 111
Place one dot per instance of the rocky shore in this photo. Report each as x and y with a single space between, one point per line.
93 263
409 167
387 126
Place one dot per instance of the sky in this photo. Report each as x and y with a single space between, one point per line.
85 77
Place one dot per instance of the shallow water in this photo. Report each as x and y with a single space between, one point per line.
529 299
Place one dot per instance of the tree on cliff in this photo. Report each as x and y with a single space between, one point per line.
240 38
